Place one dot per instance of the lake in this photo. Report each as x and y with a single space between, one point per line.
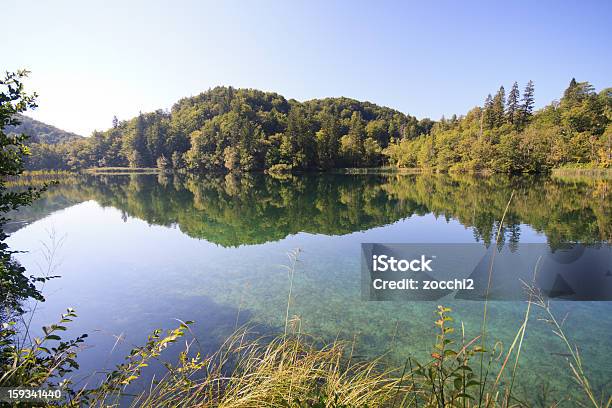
137 252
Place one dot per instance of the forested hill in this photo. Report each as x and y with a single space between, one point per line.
40 132
507 136
242 129
228 129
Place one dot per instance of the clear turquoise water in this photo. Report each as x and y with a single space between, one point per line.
137 252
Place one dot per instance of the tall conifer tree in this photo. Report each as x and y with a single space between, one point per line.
498 106
528 100
512 106
489 116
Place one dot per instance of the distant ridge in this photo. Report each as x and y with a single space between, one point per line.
40 132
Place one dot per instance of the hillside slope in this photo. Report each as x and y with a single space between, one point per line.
40 132
227 128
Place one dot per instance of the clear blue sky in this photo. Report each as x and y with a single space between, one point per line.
92 60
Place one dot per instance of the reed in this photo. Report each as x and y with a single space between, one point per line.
40 178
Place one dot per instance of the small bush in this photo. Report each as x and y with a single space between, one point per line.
280 168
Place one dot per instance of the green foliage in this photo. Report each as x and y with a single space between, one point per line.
177 161
14 284
512 105
526 108
451 378
499 107
23 362
576 130
115 382
352 144
281 371
280 168
240 130
46 361
227 129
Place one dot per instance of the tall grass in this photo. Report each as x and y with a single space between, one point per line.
283 371
294 370
573 358
122 170
40 178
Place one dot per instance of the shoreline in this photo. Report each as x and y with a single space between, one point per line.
604 173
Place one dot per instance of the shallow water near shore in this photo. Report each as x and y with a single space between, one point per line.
135 252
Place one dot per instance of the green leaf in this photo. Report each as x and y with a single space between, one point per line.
472 383
53 337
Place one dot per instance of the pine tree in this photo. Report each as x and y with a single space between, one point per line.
498 107
489 116
328 140
352 143
512 106
297 146
576 92
527 105
134 143
570 91
115 122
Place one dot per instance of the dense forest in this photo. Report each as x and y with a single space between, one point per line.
241 129
227 129
507 136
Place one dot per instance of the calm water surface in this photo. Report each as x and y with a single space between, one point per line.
137 252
